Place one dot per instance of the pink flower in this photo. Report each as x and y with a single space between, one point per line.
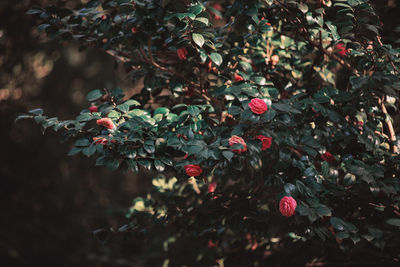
238 78
193 170
328 157
258 106
238 140
93 109
341 49
287 206
211 187
182 53
106 122
265 140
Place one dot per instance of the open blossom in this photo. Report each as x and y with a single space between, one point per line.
258 106
341 49
211 187
328 157
287 206
193 170
265 140
182 53
93 109
238 140
106 122
238 78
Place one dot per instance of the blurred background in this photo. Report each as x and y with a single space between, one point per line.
50 203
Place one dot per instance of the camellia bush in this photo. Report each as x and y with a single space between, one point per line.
267 121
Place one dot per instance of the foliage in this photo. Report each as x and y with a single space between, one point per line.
327 81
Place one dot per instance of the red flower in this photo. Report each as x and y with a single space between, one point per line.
193 170
258 106
103 17
212 244
287 206
134 30
328 157
238 78
93 109
100 140
238 140
341 49
266 141
106 122
211 187
218 7
182 53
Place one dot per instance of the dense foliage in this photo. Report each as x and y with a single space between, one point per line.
267 122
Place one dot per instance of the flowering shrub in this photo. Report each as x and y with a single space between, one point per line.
262 110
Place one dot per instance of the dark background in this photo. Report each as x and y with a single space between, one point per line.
50 204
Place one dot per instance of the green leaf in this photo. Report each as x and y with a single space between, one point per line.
198 39
37 111
202 20
216 58
338 223
74 151
228 154
193 111
159 165
285 108
124 108
82 142
393 221
34 11
94 95
196 9
89 151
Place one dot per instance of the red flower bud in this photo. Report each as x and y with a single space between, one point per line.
341 49
287 206
238 78
328 157
106 122
258 106
182 53
212 244
266 141
193 170
93 109
100 140
238 140
211 187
